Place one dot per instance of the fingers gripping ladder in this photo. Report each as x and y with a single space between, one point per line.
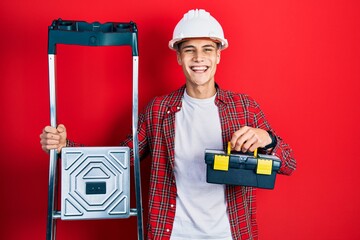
92 34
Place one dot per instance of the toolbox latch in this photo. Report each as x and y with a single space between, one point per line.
221 162
264 166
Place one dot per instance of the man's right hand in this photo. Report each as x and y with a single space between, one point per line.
53 138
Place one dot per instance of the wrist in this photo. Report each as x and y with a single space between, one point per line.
273 142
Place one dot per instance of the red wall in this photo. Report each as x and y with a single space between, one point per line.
299 59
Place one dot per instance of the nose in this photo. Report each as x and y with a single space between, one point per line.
198 56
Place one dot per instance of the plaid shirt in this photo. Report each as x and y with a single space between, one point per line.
156 136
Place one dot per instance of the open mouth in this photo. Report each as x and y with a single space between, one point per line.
199 69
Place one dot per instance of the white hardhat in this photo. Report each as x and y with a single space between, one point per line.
198 24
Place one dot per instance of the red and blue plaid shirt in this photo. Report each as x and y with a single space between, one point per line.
156 136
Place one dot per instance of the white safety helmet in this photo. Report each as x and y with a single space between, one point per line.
198 24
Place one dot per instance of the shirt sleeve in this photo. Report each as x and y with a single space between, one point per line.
282 150
71 143
142 138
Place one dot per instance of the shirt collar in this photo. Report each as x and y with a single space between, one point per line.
175 98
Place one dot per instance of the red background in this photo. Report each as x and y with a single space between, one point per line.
299 59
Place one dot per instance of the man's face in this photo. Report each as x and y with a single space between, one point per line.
198 58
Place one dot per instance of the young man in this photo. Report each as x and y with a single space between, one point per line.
176 129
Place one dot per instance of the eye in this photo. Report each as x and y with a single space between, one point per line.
188 50
208 49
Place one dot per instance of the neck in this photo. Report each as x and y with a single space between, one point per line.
201 92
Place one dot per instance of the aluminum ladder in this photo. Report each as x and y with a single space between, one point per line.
92 34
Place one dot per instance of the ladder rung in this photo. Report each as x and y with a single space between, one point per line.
133 212
56 215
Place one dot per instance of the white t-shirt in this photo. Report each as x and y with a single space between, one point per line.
200 206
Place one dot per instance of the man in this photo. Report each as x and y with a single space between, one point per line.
176 129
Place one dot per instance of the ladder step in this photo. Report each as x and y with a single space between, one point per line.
57 215
133 212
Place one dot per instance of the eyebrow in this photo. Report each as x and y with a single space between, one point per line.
205 46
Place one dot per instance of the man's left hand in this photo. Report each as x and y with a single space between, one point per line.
249 139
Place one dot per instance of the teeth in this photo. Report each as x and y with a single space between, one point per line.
199 68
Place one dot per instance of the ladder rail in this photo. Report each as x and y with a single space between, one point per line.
136 147
52 192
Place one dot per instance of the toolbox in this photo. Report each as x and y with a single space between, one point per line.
255 170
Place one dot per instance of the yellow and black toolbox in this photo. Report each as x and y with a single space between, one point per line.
255 170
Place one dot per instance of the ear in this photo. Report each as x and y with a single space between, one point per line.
218 56
178 56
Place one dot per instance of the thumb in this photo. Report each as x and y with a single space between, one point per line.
61 128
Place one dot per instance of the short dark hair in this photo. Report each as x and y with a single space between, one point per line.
177 45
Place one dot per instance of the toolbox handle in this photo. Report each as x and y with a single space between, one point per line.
92 34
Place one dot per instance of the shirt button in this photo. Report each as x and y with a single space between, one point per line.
168 112
167 230
178 108
172 205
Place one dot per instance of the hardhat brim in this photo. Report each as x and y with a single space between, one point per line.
223 43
